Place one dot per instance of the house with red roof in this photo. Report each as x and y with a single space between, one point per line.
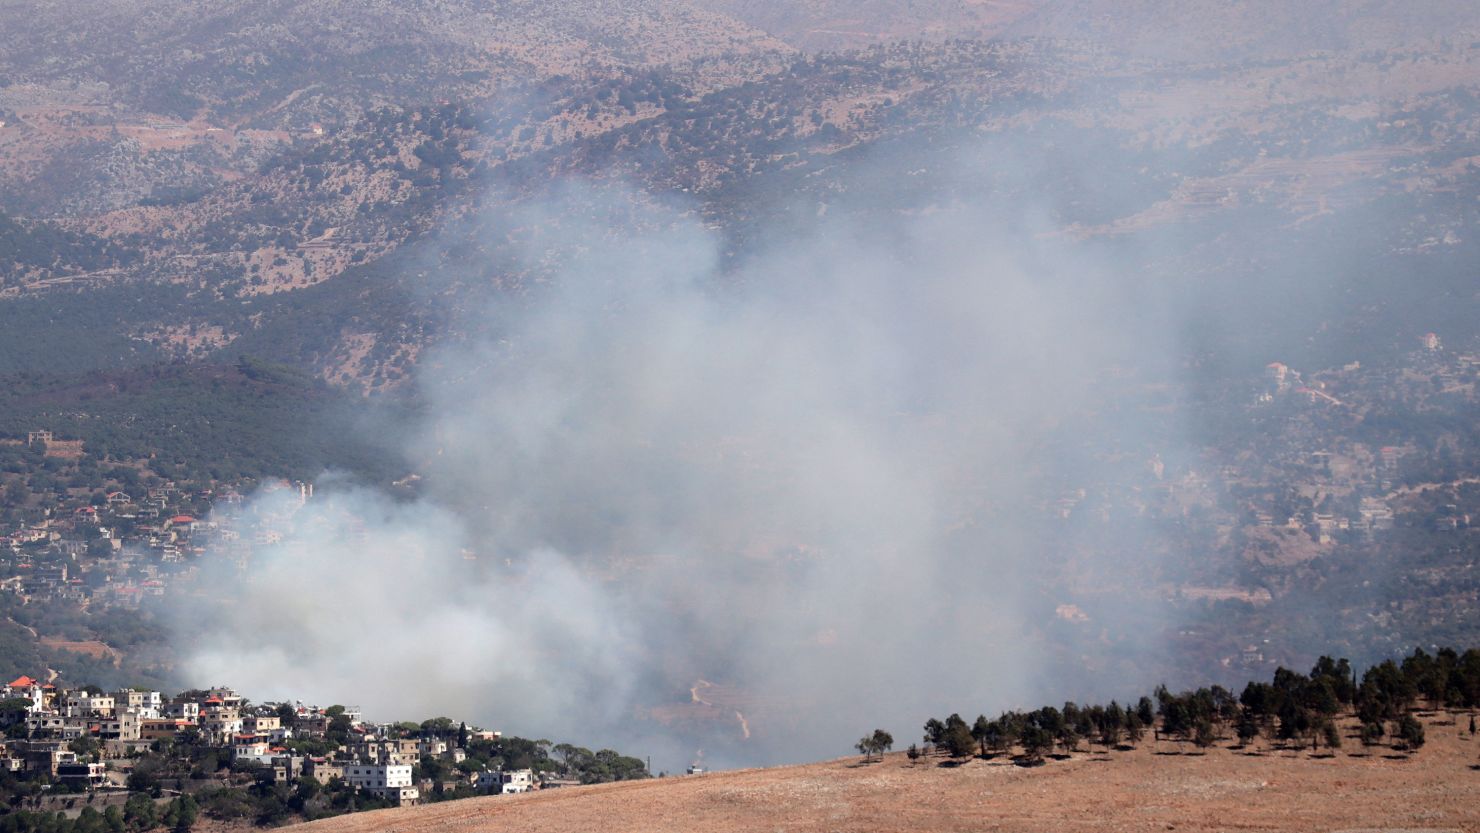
26 688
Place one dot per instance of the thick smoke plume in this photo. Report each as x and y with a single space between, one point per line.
673 504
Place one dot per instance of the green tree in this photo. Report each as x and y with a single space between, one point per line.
1203 733
958 740
1146 711
935 732
1248 727
139 812
876 743
1036 741
882 741
1135 728
84 746
981 731
184 811
1331 734
14 709
1410 732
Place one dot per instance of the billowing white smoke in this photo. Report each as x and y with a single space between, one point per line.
803 480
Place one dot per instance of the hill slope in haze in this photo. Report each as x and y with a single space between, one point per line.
1197 31
1219 30
279 63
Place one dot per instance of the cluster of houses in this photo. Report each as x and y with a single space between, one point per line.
127 723
120 549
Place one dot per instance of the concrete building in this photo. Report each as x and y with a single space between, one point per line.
323 770
506 782
74 773
389 781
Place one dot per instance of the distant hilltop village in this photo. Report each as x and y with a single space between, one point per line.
213 742
117 548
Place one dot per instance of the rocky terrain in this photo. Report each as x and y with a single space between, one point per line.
222 216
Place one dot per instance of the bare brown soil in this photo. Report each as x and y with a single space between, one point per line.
1144 789
92 648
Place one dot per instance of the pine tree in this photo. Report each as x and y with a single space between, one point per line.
1410 731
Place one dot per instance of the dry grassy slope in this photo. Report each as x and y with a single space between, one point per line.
1439 789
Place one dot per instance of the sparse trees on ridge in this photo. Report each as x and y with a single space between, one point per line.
1293 710
875 744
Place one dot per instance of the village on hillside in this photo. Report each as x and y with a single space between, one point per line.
217 746
125 548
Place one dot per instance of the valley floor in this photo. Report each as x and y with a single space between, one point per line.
1152 788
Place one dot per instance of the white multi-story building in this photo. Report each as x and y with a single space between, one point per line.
82 704
391 781
183 711
143 703
506 782
220 724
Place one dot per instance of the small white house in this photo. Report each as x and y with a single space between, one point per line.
506 782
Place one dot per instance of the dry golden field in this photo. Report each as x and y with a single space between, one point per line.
1437 789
